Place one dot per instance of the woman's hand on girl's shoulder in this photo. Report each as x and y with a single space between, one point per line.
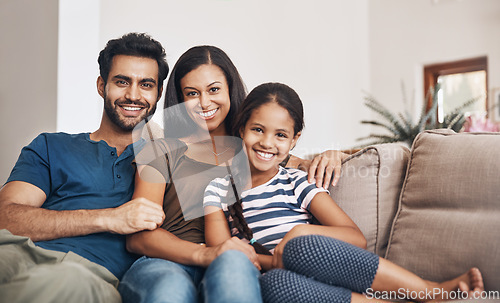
324 168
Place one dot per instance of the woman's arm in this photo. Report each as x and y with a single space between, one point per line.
335 223
322 168
160 243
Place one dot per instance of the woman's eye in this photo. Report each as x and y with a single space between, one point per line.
191 94
214 89
281 135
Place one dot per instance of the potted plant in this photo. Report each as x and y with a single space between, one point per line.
402 128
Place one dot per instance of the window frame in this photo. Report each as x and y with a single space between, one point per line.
433 71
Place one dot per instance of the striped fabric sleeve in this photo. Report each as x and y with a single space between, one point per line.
305 191
214 193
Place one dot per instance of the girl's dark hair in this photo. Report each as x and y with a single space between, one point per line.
280 93
137 45
239 222
190 60
287 98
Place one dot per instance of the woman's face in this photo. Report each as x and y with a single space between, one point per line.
206 96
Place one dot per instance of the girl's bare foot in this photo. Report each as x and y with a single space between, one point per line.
474 282
469 282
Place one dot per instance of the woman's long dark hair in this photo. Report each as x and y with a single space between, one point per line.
190 60
265 93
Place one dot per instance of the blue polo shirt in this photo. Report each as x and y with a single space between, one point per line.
78 173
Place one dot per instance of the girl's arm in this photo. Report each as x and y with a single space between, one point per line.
160 243
216 228
322 168
335 223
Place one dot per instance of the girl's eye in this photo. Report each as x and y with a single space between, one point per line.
281 135
214 89
257 129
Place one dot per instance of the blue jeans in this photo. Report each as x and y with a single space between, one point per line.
229 278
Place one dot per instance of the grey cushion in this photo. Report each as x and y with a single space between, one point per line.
368 190
449 213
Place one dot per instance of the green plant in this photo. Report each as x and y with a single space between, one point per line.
402 128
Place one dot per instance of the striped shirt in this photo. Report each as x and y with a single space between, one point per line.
271 209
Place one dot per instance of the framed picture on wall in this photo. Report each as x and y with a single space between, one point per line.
495 104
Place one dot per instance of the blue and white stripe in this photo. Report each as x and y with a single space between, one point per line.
271 209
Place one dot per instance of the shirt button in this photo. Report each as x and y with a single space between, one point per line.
118 176
112 153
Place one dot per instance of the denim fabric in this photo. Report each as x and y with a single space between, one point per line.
229 278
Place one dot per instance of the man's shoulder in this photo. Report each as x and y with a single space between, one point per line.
47 140
61 136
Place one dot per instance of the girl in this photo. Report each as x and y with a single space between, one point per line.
203 94
279 205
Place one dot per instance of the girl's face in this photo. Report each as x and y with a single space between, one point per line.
268 137
206 96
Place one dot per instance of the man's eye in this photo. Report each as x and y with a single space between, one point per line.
121 82
148 85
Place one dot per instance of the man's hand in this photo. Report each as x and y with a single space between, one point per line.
135 215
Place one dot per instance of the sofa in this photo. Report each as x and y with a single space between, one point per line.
433 209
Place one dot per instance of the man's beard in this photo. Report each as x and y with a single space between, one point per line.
124 123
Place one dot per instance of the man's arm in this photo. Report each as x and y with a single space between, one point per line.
21 214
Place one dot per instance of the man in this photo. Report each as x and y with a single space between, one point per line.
70 194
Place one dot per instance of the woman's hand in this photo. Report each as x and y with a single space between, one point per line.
322 168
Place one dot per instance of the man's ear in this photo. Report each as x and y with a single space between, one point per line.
101 85
295 139
160 92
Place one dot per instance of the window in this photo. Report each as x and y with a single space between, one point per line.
459 81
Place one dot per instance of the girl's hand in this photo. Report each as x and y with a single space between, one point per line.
323 167
296 231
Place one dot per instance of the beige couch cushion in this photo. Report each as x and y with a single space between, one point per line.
369 188
449 214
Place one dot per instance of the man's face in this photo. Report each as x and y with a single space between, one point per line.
131 91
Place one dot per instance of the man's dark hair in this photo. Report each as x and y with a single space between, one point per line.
133 44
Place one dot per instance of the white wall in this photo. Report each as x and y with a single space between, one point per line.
79 106
320 48
406 35
28 75
328 50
